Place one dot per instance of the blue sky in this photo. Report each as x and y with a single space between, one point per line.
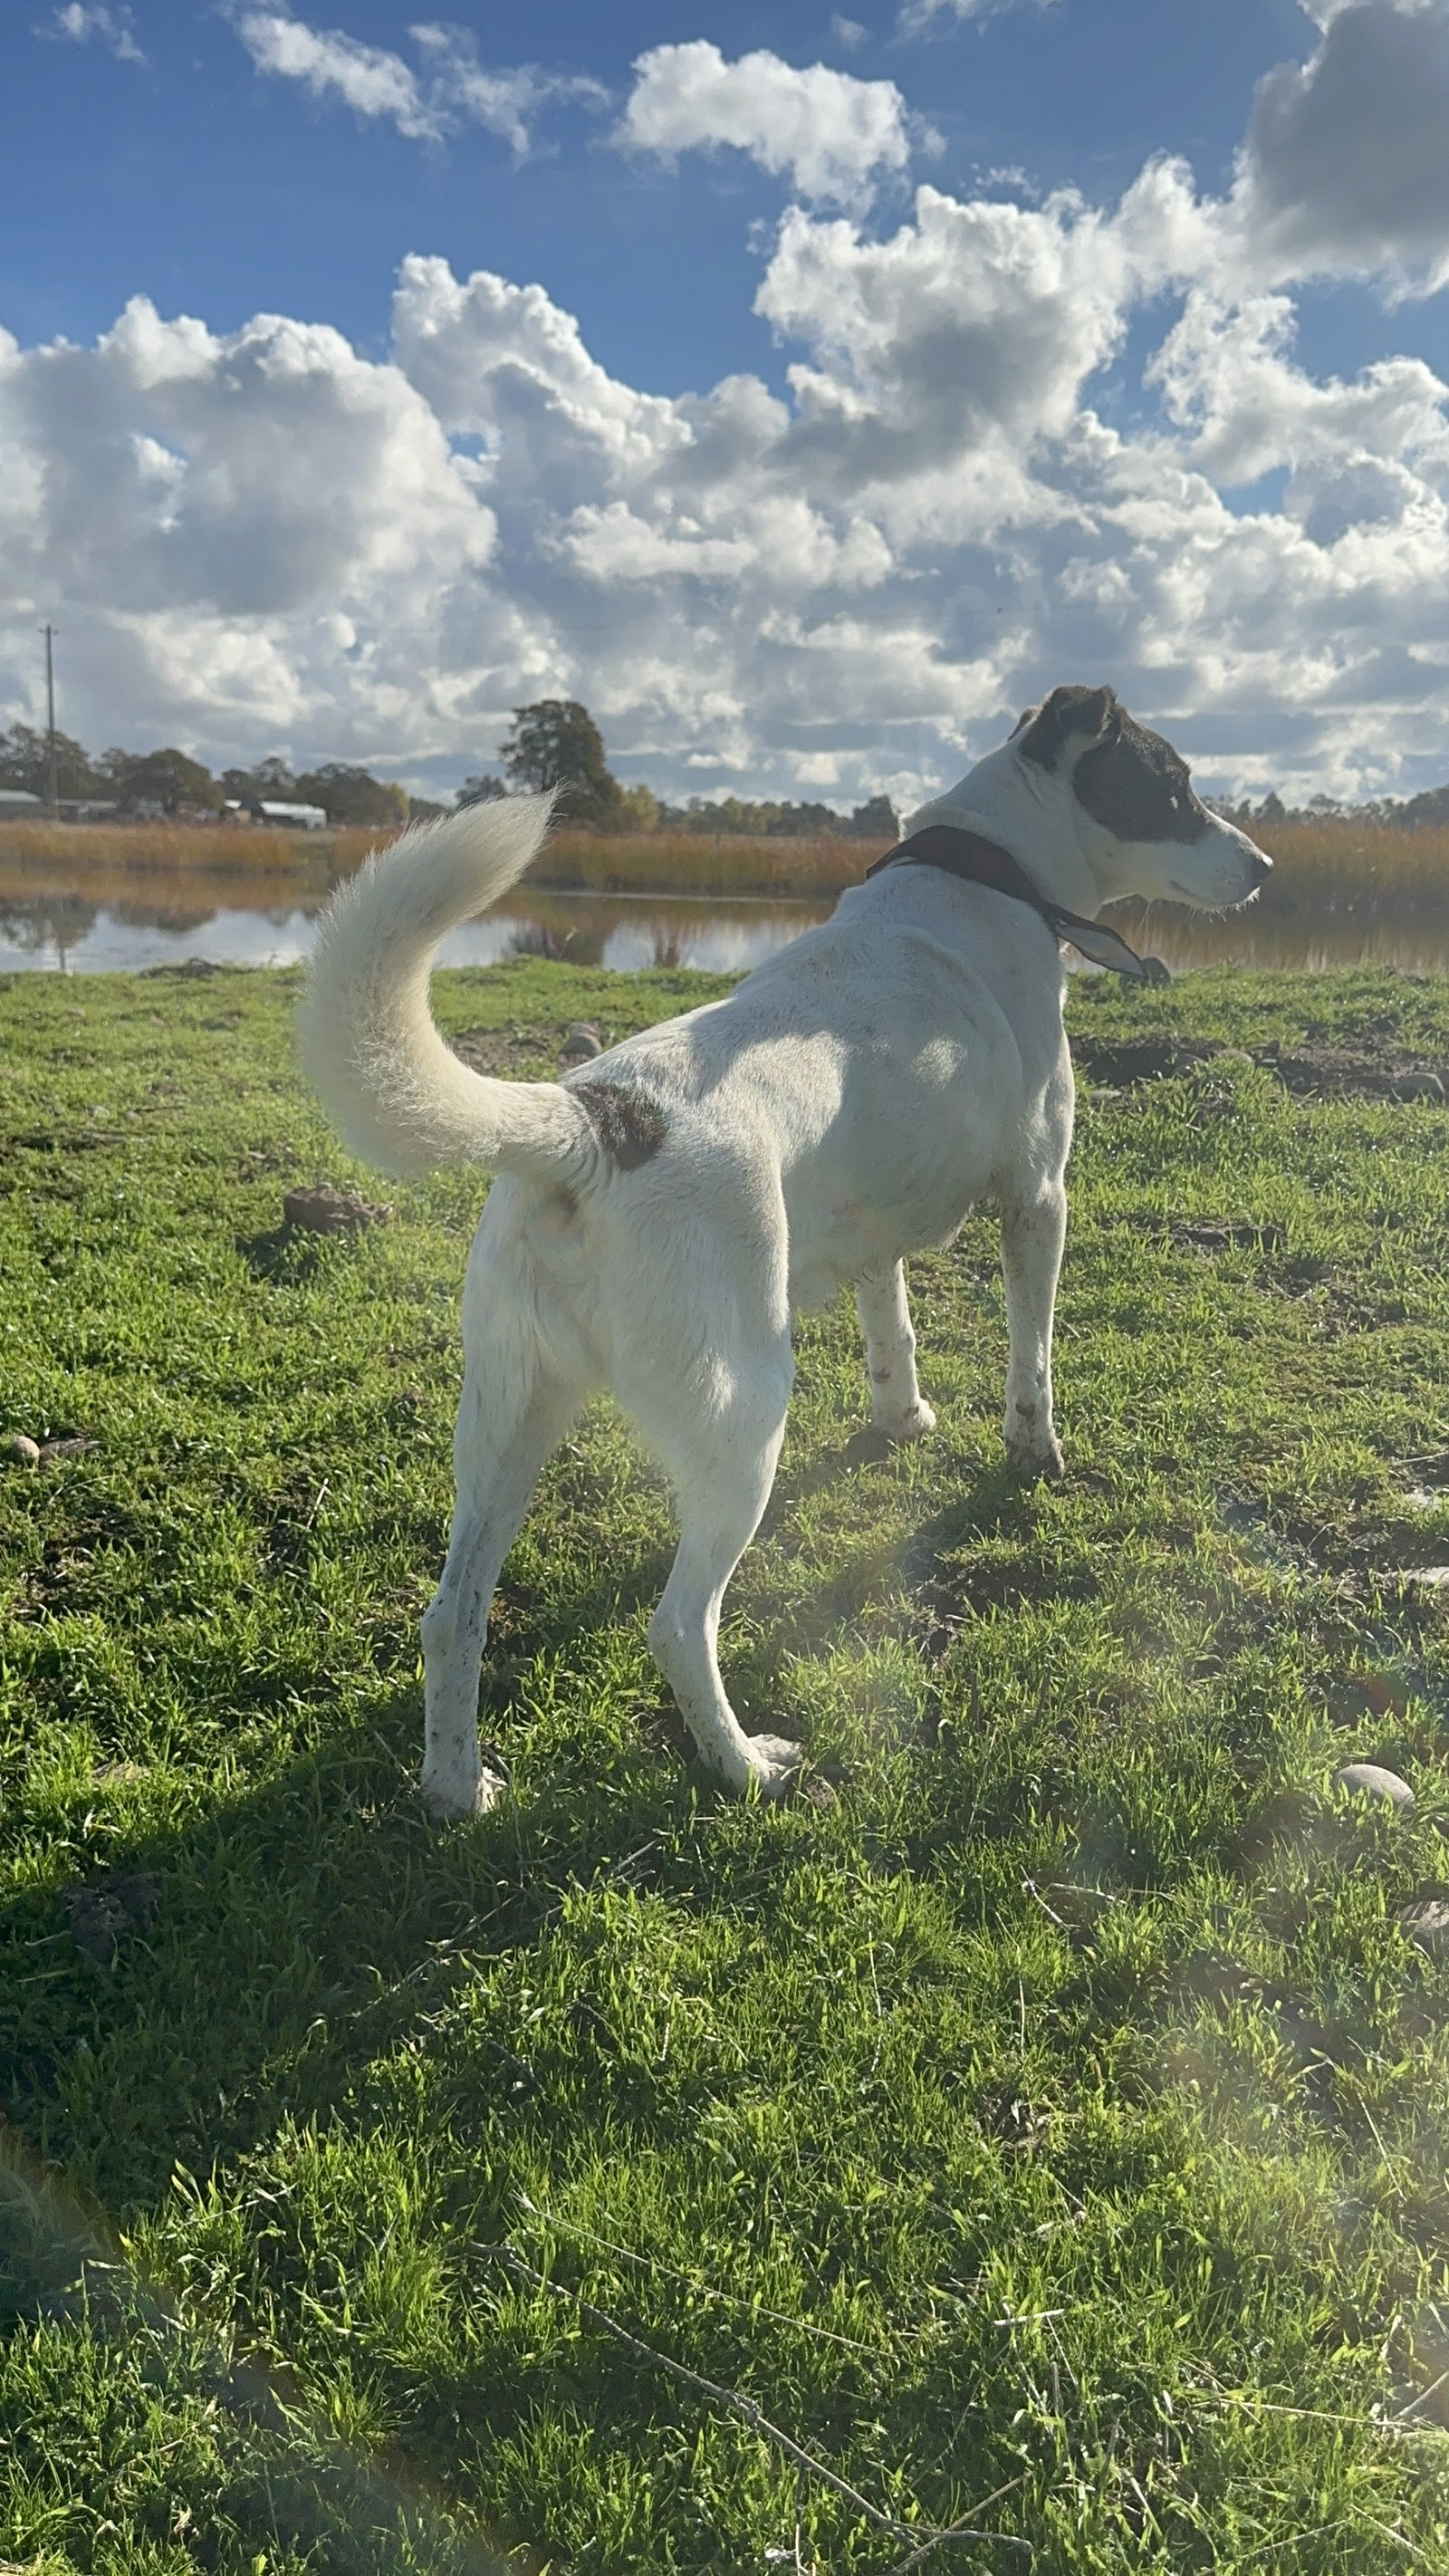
1147 383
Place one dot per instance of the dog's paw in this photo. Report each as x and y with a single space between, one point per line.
908 1426
445 1801
774 1765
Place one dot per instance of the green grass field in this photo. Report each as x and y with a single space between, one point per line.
1050 2137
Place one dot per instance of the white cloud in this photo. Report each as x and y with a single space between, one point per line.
833 135
1345 165
453 88
849 32
78 20
918 16
371 81
266 541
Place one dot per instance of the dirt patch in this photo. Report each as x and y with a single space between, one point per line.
1310 1071
325 1210
1329 1072
510 1054
1119 1061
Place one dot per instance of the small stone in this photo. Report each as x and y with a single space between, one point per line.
19 1450
581 1041
1426 1578
1371 1780
325 1210
108 1909
1418 1086
1427 1923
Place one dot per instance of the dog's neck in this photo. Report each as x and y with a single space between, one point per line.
1024 809
969 856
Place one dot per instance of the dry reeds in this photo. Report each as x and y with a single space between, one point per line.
184 848
1336 864
701 863
1361 867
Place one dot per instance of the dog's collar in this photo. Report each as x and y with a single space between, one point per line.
982 862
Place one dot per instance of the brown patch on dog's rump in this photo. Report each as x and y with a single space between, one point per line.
630 1127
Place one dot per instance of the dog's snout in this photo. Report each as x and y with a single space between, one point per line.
1259 865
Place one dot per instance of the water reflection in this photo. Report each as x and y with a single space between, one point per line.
104 918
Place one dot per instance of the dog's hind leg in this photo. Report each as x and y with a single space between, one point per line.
1032 1235
506 1434
723 1465
896 1404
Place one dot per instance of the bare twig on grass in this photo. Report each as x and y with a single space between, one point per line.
750 2413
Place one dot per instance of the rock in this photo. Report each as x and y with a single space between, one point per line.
1371 1780
1425 1578
581 1040
1427 1923
73 1445
107 1909
325 1210
19 1450
1418 1086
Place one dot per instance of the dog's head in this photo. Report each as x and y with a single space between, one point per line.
1139 826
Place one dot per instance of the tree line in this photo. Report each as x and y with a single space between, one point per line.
553 744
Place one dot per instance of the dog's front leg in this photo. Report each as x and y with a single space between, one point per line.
1032 1235
896 1405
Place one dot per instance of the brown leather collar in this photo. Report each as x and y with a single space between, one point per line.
962 853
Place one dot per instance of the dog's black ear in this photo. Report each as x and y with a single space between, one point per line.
1068 710
1024 718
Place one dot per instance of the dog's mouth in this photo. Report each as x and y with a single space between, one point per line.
1200 902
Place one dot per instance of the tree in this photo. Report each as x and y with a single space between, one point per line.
481 790
556 743
25 763
168 778
352 795
875 821
268 780
637 810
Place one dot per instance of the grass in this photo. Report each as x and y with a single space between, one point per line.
1059 2119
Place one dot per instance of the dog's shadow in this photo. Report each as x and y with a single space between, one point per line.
287 1940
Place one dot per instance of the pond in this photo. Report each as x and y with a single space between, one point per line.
93 920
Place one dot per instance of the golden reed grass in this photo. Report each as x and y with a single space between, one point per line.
1341 864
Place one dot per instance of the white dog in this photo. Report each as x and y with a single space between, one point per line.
663 1211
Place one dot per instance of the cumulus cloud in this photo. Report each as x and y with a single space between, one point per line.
78 20
265 540
453 87
1345 166
829 133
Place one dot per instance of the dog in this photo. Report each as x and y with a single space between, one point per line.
662 1212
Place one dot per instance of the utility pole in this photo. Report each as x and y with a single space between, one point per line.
52 796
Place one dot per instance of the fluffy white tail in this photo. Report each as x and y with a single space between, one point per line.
401 1098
